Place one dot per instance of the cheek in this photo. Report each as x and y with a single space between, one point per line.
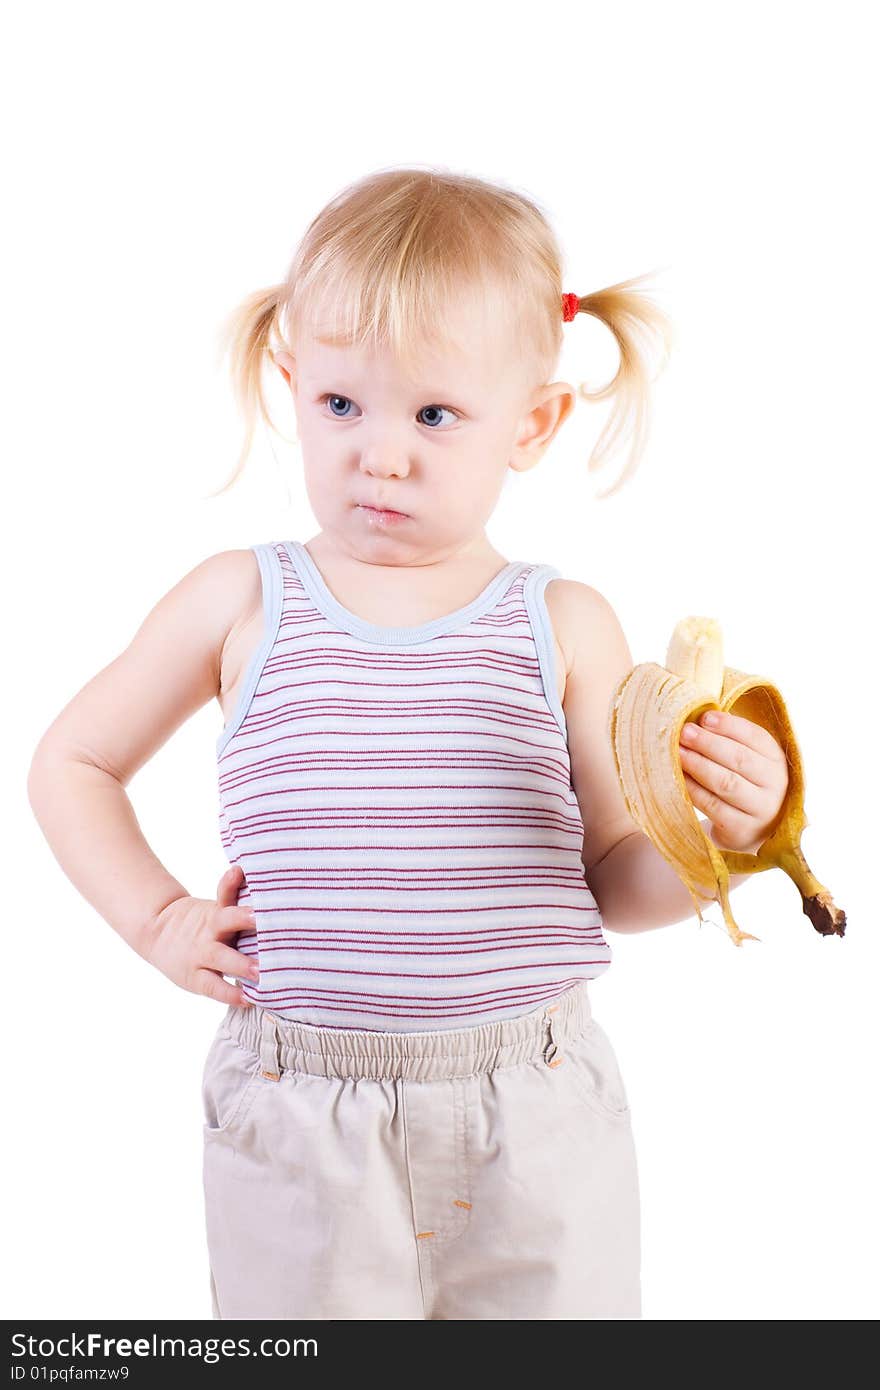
477 468
474 496
324 485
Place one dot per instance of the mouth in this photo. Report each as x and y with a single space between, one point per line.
381 513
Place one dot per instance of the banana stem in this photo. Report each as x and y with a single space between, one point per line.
819 906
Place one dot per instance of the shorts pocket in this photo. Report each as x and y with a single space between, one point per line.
593 1070
230 1080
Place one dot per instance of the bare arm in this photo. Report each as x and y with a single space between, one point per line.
634 886
115 724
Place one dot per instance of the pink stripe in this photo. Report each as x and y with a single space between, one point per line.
455 975
371 878
411 954
394 1012
310 885
477 757
362 733
279 818
271 933
478 765
334 762
273 718
349 848
392 661
373 883
433 911
319 822
501 996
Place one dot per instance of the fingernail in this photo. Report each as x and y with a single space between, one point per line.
710 719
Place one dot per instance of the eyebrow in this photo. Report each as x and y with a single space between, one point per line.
324 381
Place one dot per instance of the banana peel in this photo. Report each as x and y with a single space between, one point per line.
646 715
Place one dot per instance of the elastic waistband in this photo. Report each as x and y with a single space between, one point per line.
283 1045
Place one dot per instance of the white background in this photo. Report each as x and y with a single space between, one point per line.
163 161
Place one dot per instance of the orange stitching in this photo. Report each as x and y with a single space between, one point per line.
420 1235
272 1075
457 1203
553 1008
557 1063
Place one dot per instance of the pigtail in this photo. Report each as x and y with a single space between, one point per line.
246 335
633 319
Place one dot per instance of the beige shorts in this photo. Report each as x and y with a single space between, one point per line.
487 1172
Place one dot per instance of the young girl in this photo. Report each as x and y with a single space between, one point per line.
410 1110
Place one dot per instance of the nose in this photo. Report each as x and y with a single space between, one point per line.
385 461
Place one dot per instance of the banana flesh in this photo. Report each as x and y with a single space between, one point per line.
647 711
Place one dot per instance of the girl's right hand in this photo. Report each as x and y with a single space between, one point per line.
186 942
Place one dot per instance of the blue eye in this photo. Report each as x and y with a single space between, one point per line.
335 400
438 407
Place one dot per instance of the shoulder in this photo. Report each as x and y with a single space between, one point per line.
584 622
232 585
227 581
213 600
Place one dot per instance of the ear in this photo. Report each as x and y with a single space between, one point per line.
285 364
550 408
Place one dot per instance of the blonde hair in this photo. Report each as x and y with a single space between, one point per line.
385 263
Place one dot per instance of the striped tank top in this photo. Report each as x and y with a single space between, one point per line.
400 802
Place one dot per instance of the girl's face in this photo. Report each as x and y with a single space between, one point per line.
434 444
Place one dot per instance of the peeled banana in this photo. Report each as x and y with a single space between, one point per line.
647 711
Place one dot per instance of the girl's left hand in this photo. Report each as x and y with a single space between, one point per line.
737 774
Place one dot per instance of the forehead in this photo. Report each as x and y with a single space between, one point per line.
468 347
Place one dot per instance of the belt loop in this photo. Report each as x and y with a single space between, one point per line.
552 1055
270 1047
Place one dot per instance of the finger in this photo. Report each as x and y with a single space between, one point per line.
728 788
233 919
215 987
744 731
740 758
727 818
231 962
230 886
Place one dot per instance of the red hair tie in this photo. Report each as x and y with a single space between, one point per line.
570 304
